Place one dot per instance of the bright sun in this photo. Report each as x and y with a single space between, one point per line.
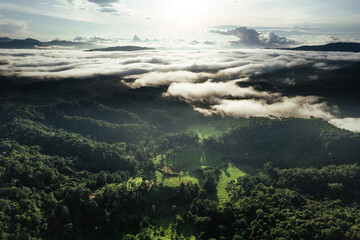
189 11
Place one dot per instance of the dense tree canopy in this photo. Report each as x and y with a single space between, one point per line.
129 164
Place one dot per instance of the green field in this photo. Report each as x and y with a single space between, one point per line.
214 128
175 181
232 172
167 226
205 130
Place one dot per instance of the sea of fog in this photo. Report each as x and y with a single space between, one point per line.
241 83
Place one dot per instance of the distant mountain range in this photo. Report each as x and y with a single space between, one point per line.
136 39
333 47
30 43
4 39
121 48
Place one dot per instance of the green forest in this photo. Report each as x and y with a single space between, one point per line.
91 159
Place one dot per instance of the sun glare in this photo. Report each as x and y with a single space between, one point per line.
189 11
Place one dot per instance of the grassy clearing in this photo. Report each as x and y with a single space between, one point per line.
232 172
165 219
175 181
213 128
206 130
190 179
167 226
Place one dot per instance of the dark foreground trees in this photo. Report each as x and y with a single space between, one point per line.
85 166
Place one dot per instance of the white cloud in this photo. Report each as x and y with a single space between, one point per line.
265 65
164 78
212 90
69 13
104 3
302 107
251 37
113 7
216 78
351 124
221 65
11 27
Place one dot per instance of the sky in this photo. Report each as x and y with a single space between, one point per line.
302 21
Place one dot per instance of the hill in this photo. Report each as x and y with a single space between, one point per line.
121 48
332 47
80 161
30 43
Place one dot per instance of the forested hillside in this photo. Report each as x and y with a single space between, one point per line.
97 160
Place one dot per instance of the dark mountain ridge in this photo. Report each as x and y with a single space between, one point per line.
121 48
30 43
332 47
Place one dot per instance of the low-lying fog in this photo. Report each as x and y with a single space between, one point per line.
267 83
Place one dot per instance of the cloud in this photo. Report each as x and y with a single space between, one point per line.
271 39
153 60
251 37
266 65
245 35
94 39
113 7
104 3
108 10
302 107
165 78
209 42
210 90
351 124
10 27
227 98
221 65
241 83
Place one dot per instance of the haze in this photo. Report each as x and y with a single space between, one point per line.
308 21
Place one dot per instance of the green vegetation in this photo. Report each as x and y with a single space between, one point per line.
188 158
175 181
227 174
278 203
212 127
79 163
